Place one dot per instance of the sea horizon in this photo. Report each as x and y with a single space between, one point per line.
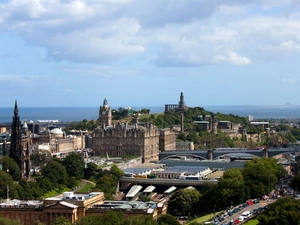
70 114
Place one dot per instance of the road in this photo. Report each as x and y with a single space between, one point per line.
248 208
82 184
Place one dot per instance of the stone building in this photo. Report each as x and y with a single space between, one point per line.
130 208
69 205
182 146
167 140
208 123
73 206
60 144
122 139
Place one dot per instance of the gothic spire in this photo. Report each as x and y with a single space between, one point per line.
16 110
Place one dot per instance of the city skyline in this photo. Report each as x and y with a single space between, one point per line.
144 53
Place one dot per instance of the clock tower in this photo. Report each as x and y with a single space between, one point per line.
105 114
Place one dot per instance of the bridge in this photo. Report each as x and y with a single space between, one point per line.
231 152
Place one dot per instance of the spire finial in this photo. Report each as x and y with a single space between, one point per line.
16 110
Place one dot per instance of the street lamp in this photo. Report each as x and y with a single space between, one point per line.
7 191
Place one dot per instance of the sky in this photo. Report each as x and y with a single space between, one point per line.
63 53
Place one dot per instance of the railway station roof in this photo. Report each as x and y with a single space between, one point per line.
149 189
137 170
191 169
170 190
134 190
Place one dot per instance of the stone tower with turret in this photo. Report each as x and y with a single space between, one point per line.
105 115
181 104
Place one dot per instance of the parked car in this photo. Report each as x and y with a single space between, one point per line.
246 214
237 221
241 218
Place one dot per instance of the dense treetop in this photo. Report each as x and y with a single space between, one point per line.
284 211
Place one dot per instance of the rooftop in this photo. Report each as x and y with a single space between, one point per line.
73 196
192 169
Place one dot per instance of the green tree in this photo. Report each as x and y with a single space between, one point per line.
89 220
108 181
45 184
290 137
90 170
231 187
29 189
209 200
182 136
183 202
144 111
10 166
116 171
140 220
295 132
113 218
74 164
284 211
6 221
295 182
62 221
167 220
38 223
55 172
193 136
39 158
83 125
261 174
7 186
107 184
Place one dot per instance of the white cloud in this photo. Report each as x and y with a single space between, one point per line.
185 33
24 82
11 78
233 58
289 81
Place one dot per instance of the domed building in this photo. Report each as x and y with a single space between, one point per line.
57 132
60 144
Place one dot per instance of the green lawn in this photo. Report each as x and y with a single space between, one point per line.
86 188
55 192
252 222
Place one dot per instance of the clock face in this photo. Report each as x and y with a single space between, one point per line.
103 112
